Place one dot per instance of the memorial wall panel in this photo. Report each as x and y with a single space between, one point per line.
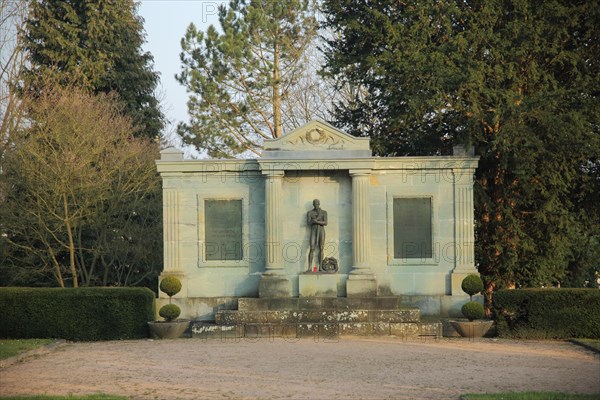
223 230
412 228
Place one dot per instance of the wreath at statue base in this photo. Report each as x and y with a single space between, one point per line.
329 265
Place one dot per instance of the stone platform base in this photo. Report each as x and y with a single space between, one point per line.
316 284
362 287
275 286
203 330
322 317
205 308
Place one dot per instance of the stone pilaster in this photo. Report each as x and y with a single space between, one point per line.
274 282
361 282
464 231
171 251
171 254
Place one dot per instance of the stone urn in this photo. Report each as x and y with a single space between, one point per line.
472 329
475 327
168 329
171 327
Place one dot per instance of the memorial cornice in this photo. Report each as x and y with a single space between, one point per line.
207 166
294 164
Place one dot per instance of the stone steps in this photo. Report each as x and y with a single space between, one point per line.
320 303
323 331
318 317
233 317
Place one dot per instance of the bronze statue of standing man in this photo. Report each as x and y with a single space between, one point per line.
317 219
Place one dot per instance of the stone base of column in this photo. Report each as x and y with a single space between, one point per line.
275 286
361 286
456 279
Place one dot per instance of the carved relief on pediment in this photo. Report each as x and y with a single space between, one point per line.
316 136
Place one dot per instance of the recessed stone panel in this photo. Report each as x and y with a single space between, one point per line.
223 230
412 228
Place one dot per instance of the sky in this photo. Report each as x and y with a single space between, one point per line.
165 23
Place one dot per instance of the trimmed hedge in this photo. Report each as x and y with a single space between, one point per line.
170 285
76 314
472 284
473 310
169 312
547 313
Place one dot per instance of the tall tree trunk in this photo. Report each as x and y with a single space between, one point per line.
71 242
57 272
86 276
276 93
489 294
105 278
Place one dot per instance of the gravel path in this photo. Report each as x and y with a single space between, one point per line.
352 368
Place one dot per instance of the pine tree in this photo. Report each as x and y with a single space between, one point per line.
516 80
239 79
96 45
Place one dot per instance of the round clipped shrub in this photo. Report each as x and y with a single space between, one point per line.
169 311
472 284
473 310
170 285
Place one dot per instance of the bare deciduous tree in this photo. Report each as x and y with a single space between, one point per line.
77 184
12 14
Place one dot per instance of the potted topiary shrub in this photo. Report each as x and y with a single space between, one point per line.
171 327
473 311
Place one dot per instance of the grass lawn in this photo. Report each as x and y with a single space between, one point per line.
90 397
12 347
530 396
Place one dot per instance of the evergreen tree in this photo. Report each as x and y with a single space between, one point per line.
517 80
241 78
96 45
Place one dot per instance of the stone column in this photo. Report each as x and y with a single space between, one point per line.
274 282
273 225
464 228
361 282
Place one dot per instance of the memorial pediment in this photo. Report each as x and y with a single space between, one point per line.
317 139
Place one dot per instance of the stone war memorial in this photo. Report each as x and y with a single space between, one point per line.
317 234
